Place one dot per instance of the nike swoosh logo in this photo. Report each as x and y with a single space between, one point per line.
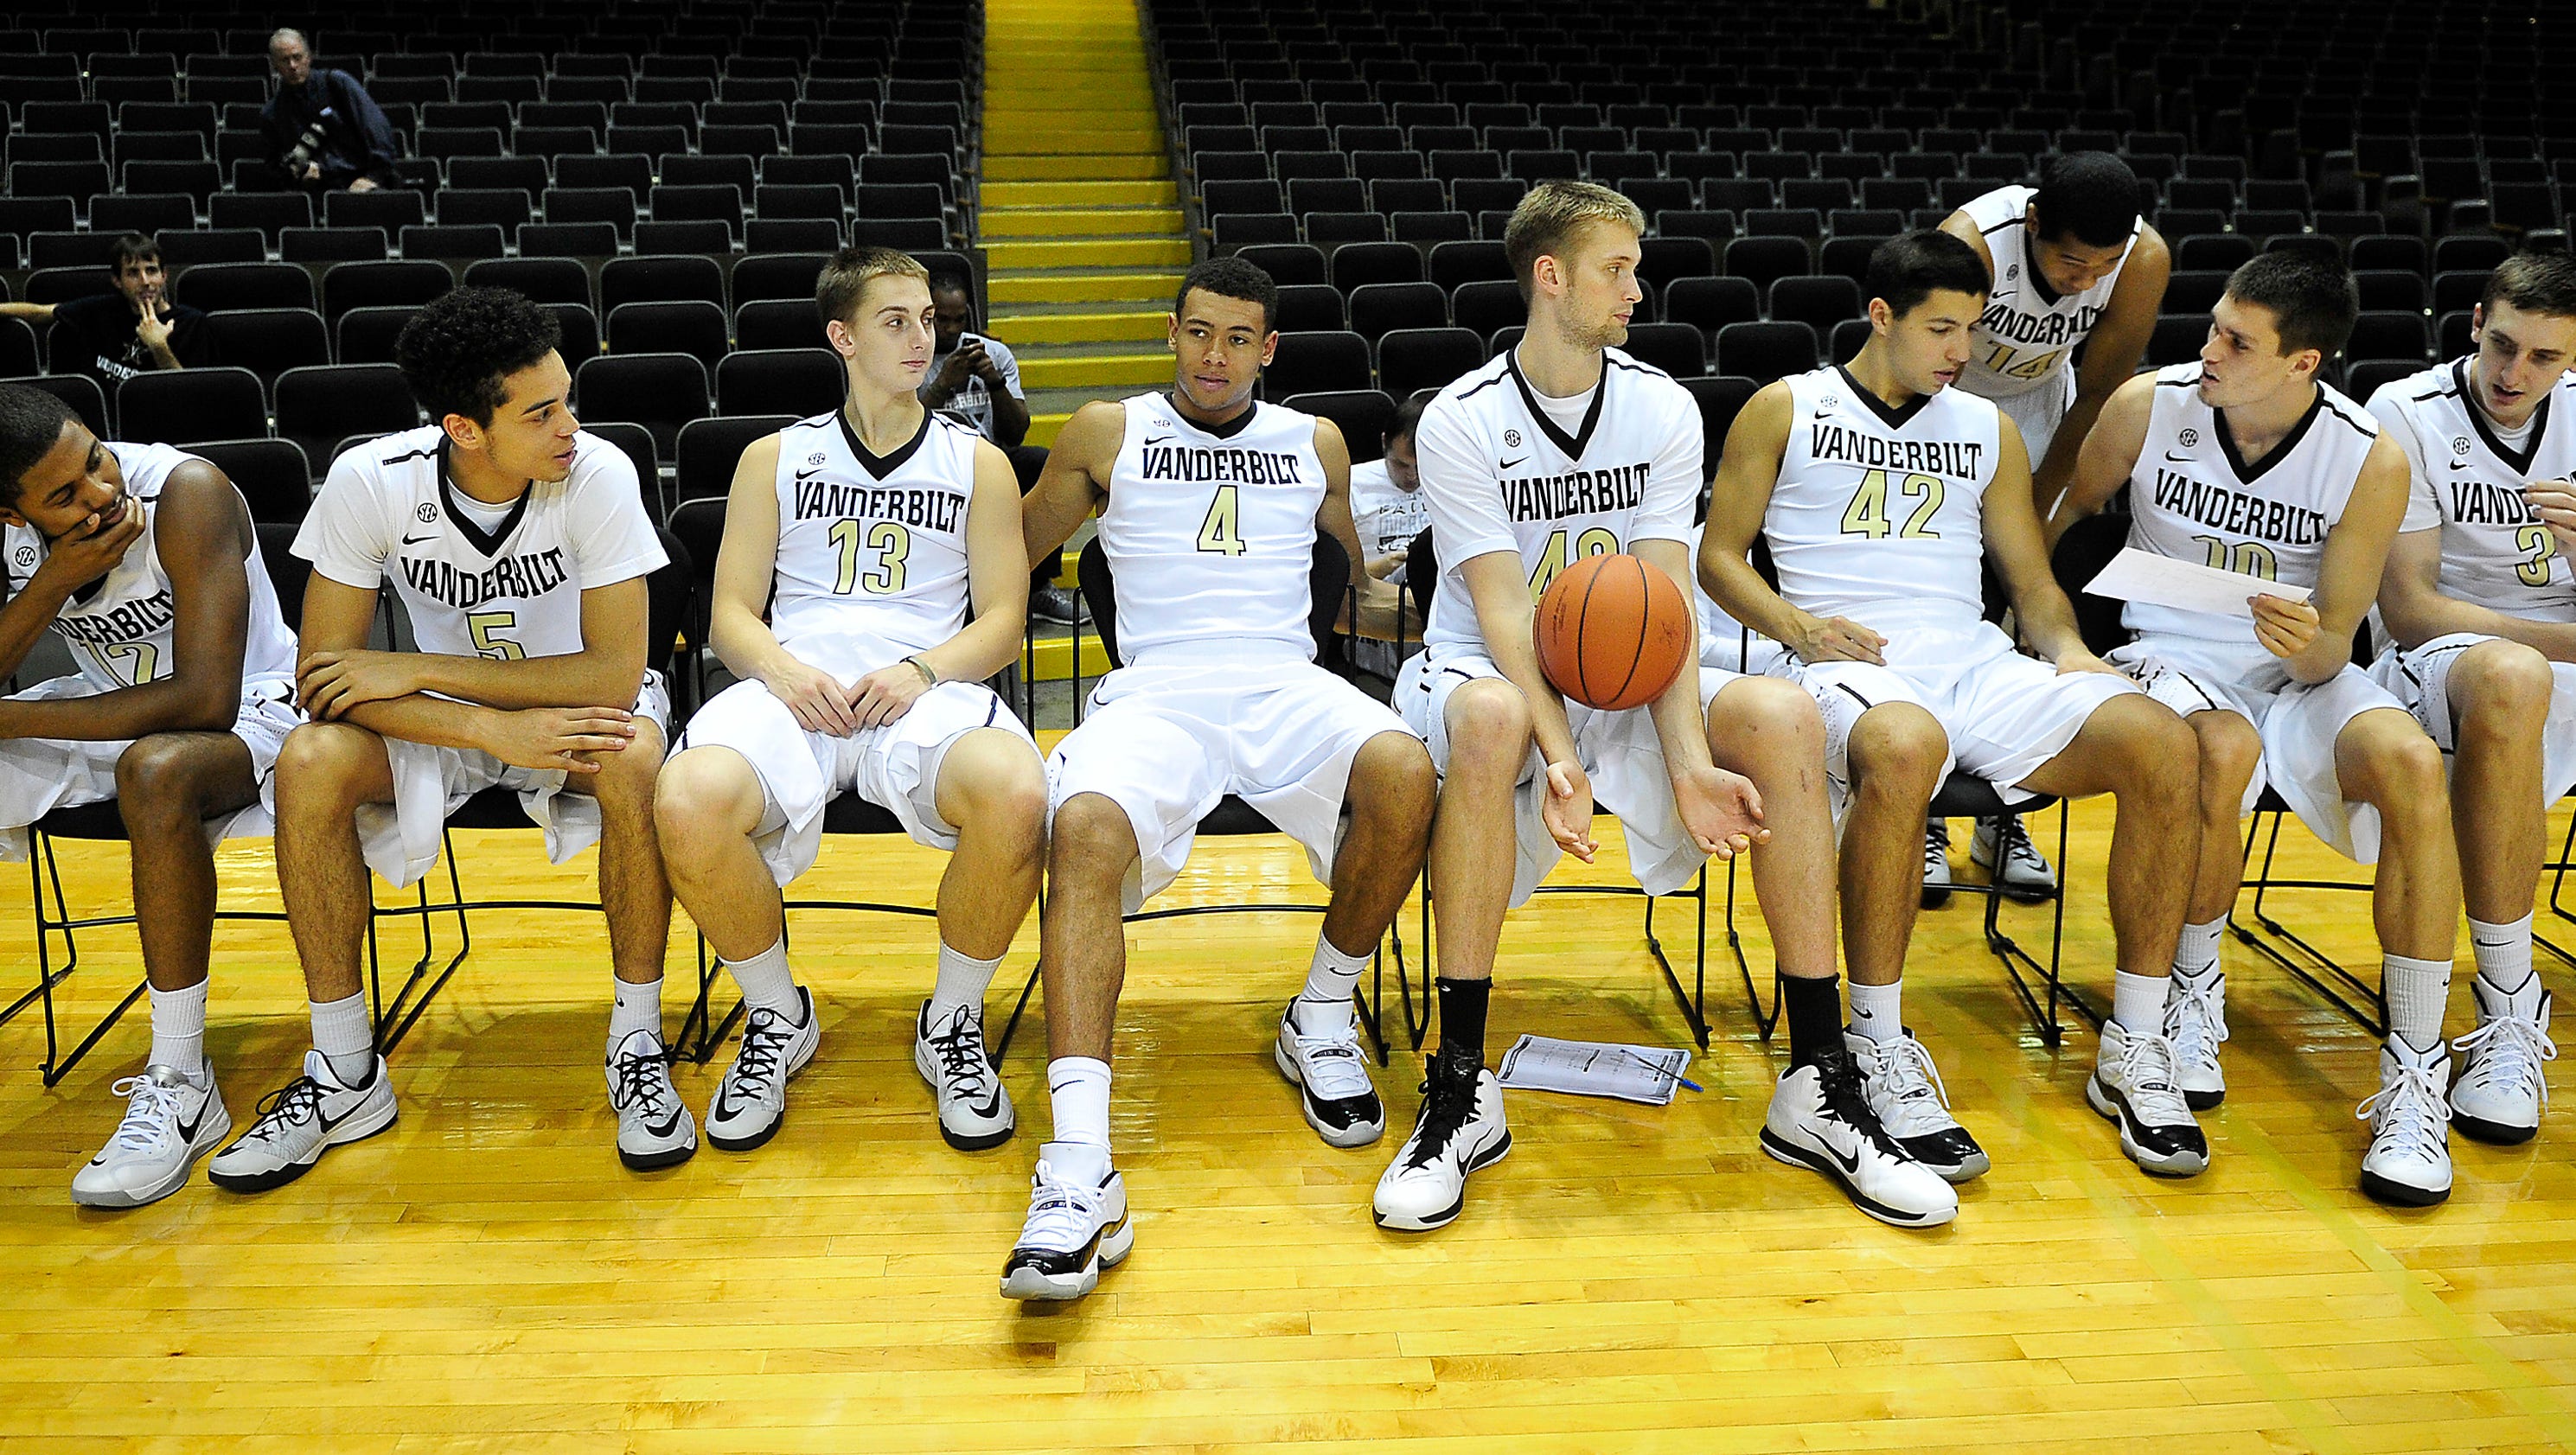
2177 459
2460 464
992 1104
417 540
803 475
669 1125
1850 1164
188 1130
1156 439
1507 464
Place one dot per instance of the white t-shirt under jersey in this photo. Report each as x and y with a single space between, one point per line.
2467 480
871 564
2028 333
1388 516
122 627
1210 533
2192 497
1501 473
1879 514
388 511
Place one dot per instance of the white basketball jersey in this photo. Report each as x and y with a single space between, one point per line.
871 549
120 627
1210 530
1501 474
2192 497
1879 514
510 590
2027 333
2468 481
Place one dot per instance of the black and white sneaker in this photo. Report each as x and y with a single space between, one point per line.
1077 1226
1904 1088
2002 847
300 1121
170 1122
2195 1021
2134 1085
1819 1119
751 1100
1459 1130
974 1111
1936 863
2409 1161
1331 1075
654 1129
2501 1089
1058 604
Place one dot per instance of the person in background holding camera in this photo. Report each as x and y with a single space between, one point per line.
134 330
325 133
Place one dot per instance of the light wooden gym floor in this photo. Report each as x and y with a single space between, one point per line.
485 1276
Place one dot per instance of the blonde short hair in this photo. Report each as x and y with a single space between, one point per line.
1550 216
844 280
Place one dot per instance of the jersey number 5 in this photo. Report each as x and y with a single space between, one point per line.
891 542
483 624
1867 514
1221 533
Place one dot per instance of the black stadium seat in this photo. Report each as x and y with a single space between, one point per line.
689 326
661 392
1316 363
1409 359
318 407
182 406
268 341
798 381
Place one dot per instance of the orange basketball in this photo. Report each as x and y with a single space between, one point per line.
1612 632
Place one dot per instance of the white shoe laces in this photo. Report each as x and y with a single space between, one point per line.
151 1115
2019 853
1916 1099
2505 1055
2407 1115
1331 1063
2145 1073
1062 1215
2195 1018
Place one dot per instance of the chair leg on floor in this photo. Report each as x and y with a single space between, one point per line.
1765 1020
1694 1002
1011 1027
2312 967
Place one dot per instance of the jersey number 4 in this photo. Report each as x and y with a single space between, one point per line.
1221 533
891 542
1867 514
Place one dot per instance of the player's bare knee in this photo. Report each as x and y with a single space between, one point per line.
631 776
1091 840
2159 756
1898 750
1000 790
321 764
704 791
1391 777
1766 720
1489 724
163 777
2229 751
2500 692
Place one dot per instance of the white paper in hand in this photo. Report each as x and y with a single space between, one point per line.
2144 576
1595 1068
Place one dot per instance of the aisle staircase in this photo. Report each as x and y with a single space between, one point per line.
1081 221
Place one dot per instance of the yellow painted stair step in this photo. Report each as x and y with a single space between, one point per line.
1079 194
1096 371
1139 325
1085 287
1066 222
1171 252
1033 168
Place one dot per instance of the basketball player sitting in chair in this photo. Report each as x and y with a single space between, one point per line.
2245 462
863 535
144 561
1880 489
519 547
2482 607
1561 449
1210 505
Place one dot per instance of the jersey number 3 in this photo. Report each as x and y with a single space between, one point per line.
1867 514
891 542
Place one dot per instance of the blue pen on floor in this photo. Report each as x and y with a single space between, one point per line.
1678 1079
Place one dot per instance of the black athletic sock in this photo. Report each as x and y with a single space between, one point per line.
1814 1010
1462 1016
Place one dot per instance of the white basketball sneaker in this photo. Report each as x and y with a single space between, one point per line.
2133 1084
1904 1088
2409 1162
2502 1088
2002 847
654 1128
974 1111
1331 1075
2195 1021
1936 863
751 1101
1820 1120
300 1121
1077 1226
169 1123
1459 1130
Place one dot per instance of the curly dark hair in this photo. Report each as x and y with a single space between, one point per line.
31 424
460 348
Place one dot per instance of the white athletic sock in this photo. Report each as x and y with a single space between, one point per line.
179 1029
766 983
2138 1001
637 1008
1325 1004
2198 949
1078 1093
346 1037
1878 1011
2417 991
962 982
2503 951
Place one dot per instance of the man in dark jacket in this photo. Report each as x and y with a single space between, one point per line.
114 336
325 133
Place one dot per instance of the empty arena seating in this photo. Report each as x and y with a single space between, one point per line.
1321 139
665 174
